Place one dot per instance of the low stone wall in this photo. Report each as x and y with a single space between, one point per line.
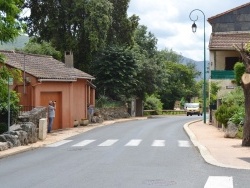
25 131
112 113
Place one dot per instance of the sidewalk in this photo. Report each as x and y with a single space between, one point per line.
217 150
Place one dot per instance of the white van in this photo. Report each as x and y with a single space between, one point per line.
193 108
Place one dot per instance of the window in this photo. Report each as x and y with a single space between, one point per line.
230 62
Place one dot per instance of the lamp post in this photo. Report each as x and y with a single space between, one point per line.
194 27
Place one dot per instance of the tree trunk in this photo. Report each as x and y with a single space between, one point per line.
246 129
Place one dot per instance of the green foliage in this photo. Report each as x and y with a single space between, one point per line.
232 107
84 27
214 88
180 82
235 97
105 102
43 48
121 31
238 116
5 74
224 113
239 70
153 103
240 132
115 71
10 27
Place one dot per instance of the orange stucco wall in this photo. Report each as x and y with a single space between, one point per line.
73 103
72 97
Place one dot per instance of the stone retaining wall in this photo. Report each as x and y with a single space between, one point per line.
25 131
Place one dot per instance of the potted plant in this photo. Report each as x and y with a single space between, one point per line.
84 122
76 123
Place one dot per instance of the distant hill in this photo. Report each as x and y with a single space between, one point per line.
199 66
19 42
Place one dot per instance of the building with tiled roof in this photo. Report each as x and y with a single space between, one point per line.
229 28
46 79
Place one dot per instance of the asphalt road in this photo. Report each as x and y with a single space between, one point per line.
148 153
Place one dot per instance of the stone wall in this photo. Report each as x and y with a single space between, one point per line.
25 131
112 113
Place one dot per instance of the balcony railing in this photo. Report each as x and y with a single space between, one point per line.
222 74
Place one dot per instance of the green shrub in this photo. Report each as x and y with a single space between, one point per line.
153 103
240 132
224 113
239 70
105 102
238 116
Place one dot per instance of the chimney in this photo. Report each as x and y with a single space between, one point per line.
69 61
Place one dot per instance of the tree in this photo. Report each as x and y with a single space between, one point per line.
5 74
43 48
245 84
10 27
115 71
179 80
121 31
80 26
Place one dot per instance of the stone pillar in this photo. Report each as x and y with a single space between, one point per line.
42 128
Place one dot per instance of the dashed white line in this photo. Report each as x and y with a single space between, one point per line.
83 143
59 143
219 182
183 143
134 142
158 143
108 143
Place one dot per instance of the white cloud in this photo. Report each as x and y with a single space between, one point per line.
169 21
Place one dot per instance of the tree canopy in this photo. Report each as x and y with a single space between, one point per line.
10 27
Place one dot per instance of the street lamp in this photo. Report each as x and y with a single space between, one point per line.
194 28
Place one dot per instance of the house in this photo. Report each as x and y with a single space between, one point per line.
228 29
45 79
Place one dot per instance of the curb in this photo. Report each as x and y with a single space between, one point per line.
207 156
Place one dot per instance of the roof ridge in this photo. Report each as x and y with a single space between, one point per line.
25 53
223 13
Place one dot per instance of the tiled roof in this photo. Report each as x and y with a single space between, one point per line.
231 10
43 67
226 40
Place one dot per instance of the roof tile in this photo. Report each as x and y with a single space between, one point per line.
43 67
226 40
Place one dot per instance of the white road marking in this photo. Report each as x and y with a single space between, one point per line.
134 142
219 182
108 143
83 143
59 143
183 143
158 143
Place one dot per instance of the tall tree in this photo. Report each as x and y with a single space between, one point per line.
79 25
10 27
245 84
122 27
115 71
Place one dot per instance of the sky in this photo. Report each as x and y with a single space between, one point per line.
169 21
